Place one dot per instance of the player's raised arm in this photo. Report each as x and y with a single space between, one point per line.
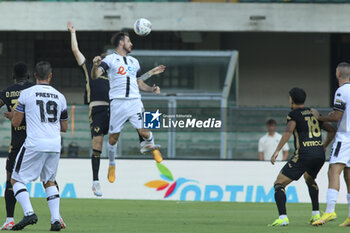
285 137
144 87
79 57
96 70
156 70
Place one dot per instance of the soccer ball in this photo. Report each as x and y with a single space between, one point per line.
142 27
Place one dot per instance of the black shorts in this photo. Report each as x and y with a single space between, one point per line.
99 120
311 165
11 158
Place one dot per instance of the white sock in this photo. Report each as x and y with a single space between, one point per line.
111 150
332 195
96 182
22 196
348 197
283 216
150 139
314 212
9 220
53 200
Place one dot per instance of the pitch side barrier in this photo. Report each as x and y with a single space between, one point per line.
180 180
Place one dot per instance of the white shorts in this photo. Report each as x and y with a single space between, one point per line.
122 110
32 164
340 153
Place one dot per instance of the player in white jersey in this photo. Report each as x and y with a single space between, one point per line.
45 112
340 155
123 72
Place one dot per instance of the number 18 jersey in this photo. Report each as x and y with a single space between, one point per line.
44 108
307 134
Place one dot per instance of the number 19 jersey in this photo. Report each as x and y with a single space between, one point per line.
307 134
44 108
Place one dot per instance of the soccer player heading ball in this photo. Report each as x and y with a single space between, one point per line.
125 82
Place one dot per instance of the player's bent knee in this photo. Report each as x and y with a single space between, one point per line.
97 142
49 183
279 187
310 182
113 138
13 181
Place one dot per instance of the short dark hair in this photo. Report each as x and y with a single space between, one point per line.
344 69
271 122
298 95
43 70
118 37
20 70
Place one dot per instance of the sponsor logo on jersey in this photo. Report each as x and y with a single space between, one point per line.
121 70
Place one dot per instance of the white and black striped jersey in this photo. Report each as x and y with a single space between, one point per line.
342 103
44 108
122 74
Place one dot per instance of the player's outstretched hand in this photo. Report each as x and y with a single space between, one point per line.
315 113
155 89
70 27
9 115
97 60
158 70
273 157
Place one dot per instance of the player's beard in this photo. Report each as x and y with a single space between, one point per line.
128 49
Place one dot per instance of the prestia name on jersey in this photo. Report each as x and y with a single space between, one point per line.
46 95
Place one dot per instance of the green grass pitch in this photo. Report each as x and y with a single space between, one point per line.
125 216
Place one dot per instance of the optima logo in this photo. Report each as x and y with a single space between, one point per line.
195 191
168 182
